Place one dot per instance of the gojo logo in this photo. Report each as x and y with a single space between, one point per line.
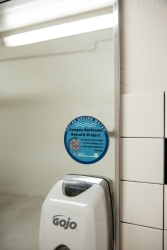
63 223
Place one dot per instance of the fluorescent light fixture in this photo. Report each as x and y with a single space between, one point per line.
62 30
3 1
22 14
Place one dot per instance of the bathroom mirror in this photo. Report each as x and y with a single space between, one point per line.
45 85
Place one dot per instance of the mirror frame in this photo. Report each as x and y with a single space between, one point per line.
117 122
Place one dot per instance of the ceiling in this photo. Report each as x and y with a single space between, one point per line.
23 15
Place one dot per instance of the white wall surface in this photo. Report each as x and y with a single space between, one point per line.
143 46
143 69
38 99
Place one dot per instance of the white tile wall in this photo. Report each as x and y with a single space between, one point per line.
166 114
165 240
142 159
140 238
165 208
142 115
142 204
142 172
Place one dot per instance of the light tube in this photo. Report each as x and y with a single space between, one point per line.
62 30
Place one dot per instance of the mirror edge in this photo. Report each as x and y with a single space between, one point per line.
117 122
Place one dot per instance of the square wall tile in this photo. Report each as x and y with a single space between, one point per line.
165 207
165 114
140 238
142 159
165 240
142 115
142 204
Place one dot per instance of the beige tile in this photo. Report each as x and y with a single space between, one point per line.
142 159
142 115
165 208
142 204
165 240
140 238
166 114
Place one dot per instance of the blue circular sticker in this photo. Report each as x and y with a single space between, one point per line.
86 139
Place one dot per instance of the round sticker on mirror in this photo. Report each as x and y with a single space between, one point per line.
86 139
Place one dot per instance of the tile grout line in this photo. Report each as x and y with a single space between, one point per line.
142 182
128 137
141 225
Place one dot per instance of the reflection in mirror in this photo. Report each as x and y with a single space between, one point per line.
44 85
62 247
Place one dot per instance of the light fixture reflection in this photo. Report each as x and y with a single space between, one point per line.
70 202
58 31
